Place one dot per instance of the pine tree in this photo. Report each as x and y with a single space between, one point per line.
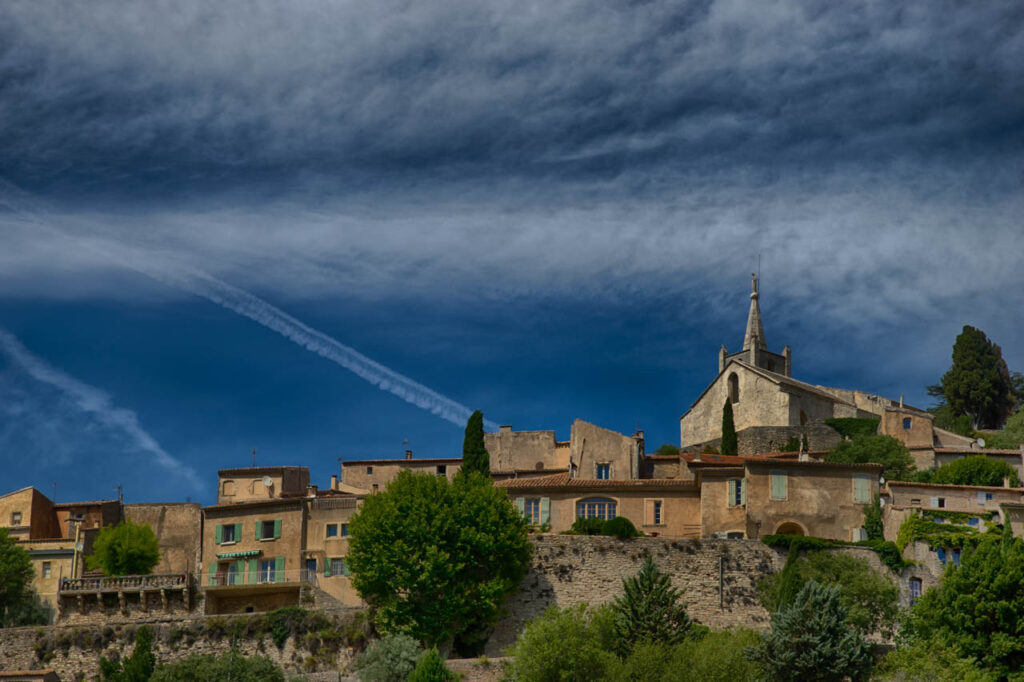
649 609
474 454
135 668
431 668
729 444
979 383
806 447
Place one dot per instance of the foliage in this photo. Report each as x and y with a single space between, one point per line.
979 384
390 659
230 666
436 558
884 450
939 529
135 668
29 610
888 552
574 643
811 640
585 526
710 449
667 449
15 575
854 427
125 549
871 600
431 668
873 520
945 419
791 445
978 609
621 528
649 609
1012 434
976 470
927 661
729 442
715 657
284 622
474 454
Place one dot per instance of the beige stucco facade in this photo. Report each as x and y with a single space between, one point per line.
178 529
371 475
327 546
28 514
250 484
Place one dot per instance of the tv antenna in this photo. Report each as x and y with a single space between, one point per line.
254 458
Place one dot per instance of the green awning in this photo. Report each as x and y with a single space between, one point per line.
235 555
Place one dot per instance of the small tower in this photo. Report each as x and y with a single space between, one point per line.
755 350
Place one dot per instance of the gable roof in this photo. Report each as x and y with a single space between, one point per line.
567 481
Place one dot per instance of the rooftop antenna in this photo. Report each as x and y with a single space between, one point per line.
55 492
120 495
254 458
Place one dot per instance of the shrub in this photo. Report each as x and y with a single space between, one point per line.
573 643
976 470
620 527
390 659
125 549
649 609
431 668
928 661
230 666
884 450
592 526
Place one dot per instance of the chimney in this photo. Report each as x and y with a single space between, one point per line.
696 456
408 454
505 428
901 402
334 481
803 456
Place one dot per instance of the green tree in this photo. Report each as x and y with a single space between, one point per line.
435 558
729 442
125 549
232 666
389 659
573 644
1012 435
30 610
978 610
884 450
976 470
811 640
135 668
715 657
873 520
667 449
15 575
474 455
431 668
871 600
791 445
929 662
649 609
979 383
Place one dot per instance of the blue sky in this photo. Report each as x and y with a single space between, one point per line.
545 212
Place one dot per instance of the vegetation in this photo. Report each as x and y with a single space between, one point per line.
649 609
941 529
135 668
945 419
232 666
574 643
390 659
619 527
888 552
927 661
125 549
873 520
811 639
975 470
431 668
1012 435
710 449
729 443
791 445
436 559
475 457
15 579
854 427
884 450
871 600
979 384
667 449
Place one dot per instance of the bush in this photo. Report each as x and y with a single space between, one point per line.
573 643
592 526
230 666
976 470
431 668
884 450
125 549
390 659
649 609
853 427
620 527
928 661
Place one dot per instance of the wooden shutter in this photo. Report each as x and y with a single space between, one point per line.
545 510
743 491
240 571
277 528
732 494
981 499
934 502
861 490
254 570
238 532
279 569
778 485
213 572
259 529
521 506
648 512
220 533
344 568
327 568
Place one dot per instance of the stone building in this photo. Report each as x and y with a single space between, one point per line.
326 548
363 476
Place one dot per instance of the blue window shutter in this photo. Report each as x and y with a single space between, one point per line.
220 533
545 510
277 528
942 555
279 569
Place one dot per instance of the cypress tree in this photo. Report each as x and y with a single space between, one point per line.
806 447
649 609
729 444
979 384
474 454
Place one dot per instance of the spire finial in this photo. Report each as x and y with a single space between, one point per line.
753 285
755 328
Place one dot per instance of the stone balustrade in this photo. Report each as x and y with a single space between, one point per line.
125 583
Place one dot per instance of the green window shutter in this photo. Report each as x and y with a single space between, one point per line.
344 568
732 494
259 526
778 486
238 531
279 569
220 533
213 572
545 510
240 568
743 492
327 568
254 569
521 506
277 528
860 488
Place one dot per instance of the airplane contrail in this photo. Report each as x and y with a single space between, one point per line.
266 314
94 401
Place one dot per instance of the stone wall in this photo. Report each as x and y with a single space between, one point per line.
755 440
178 529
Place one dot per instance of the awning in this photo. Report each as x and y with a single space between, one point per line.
235 555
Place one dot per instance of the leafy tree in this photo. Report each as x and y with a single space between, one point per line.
871 600
1017 388
716 657
873 520
729 442
435 558
135 668
30 610
929 662
390 659
791 445
710 449
570 644
475 457
125 549
649 609
945 419
884 450
667 449
15 575
620 527
978 610
232 666
976 470
979 384
854 427
1012 434
811 640
431 668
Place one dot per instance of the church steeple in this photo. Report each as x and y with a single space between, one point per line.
755 328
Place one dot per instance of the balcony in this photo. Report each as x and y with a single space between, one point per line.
79 599
262 577
266 590
125 583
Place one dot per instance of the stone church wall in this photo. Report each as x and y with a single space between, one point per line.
758 439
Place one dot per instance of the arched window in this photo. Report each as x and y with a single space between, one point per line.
734 388
229 488
596 508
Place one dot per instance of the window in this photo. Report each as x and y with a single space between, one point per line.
657 512
915 590
228 488
956 556
906 424
228 533
344 530
267 571
332 530
339 567
737 493
734 535
268 529
858 534
442 469
46 569
15 518
861 488
915 501
531 509
938 502
596 508
375 487
654 512
369 470
310 568
779 485
234 574
650 469
941 553
972 522
734 388
604 472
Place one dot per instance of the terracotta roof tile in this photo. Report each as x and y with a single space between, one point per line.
966 451
950 486
566 481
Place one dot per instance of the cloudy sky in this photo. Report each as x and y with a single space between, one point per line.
326 228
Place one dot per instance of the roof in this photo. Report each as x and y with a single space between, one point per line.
256 471
967 451
403 460
567 481
512 472
860 466
252 504
82 504
951 486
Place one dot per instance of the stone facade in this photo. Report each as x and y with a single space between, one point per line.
370 475
178 528
327 540
250 484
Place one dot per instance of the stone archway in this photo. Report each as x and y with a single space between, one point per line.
790 528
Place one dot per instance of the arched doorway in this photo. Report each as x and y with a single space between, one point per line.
790 528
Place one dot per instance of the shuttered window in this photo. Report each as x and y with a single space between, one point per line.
861 488
654 512
778 479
